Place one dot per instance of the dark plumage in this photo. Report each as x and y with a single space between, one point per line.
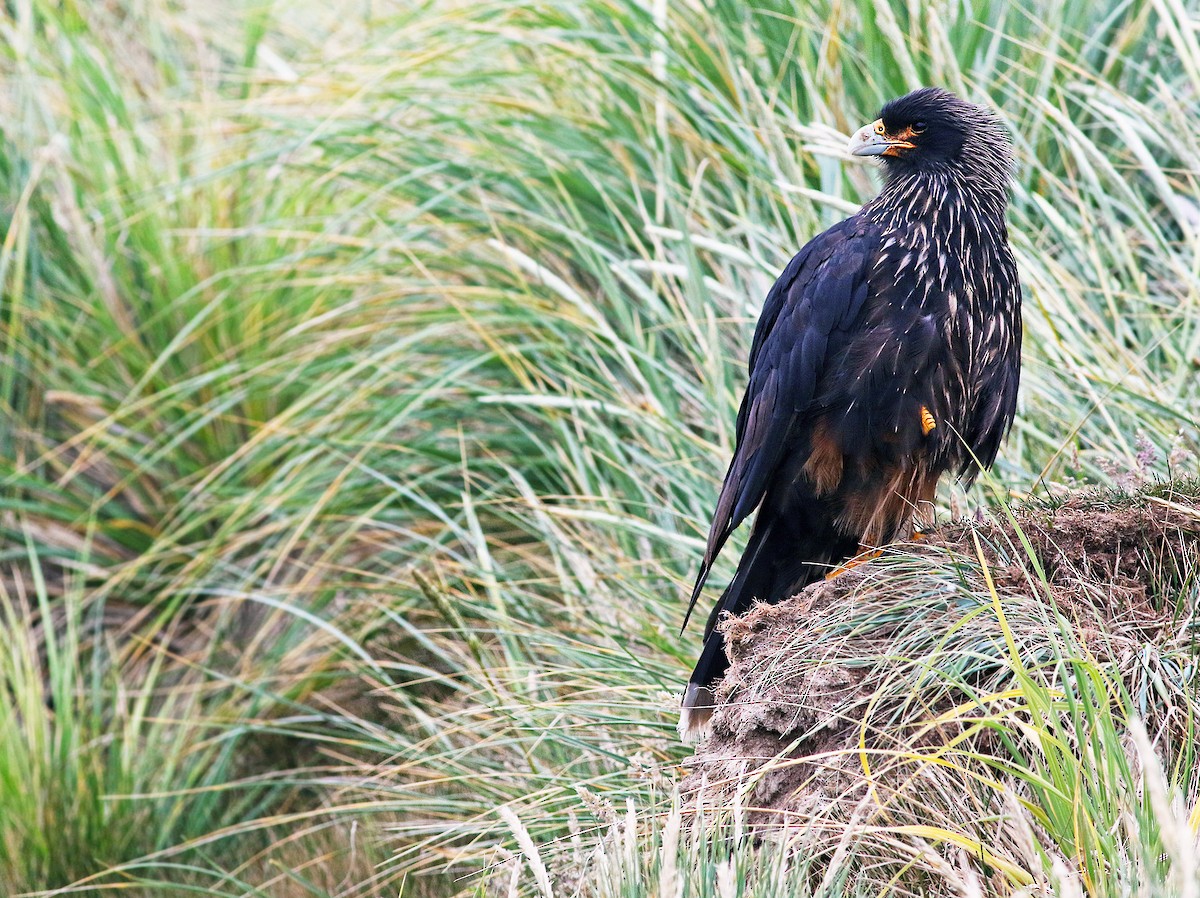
888 353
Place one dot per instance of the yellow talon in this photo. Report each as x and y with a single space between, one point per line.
860 558
927 421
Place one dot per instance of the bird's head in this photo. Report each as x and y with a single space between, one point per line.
931 129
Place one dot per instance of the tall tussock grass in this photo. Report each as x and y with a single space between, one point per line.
368 372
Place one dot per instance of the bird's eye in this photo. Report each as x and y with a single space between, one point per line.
919 127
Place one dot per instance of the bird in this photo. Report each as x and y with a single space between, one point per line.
886 355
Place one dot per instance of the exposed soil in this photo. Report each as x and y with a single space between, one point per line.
811 701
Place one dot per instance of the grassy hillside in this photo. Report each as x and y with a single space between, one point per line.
368 374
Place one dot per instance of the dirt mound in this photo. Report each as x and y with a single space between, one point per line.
831 693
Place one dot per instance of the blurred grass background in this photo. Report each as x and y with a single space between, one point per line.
368 374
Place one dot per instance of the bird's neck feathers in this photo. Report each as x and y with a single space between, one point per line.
978 189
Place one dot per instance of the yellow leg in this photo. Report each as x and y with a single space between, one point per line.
928 422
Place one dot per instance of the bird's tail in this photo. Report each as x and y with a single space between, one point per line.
781 558
699 699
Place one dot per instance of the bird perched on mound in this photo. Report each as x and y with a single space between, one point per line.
888 353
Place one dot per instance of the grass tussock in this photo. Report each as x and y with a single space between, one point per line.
367 375
1005 689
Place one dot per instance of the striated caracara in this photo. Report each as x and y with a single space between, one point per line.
888 353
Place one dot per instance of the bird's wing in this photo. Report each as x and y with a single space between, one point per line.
821 292
999 373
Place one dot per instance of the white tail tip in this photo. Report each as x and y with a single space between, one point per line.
696 712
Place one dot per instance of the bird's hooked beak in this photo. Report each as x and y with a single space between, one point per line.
873 140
